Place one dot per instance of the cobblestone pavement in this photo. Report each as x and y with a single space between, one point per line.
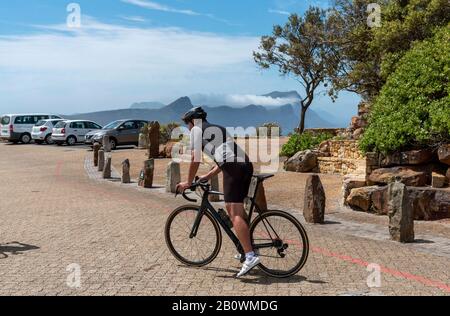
53 215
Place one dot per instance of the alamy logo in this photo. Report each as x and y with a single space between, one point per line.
74 278
374 278
74 16
374 18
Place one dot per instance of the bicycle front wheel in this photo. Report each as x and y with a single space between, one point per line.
281 242
200 250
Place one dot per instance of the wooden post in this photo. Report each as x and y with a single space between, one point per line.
96 148
153 139
101 160
126 171
107 169
146 176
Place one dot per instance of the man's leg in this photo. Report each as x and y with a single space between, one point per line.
237 216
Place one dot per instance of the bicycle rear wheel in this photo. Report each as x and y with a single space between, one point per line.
281 242
200 250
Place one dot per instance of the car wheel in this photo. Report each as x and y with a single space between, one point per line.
25 138
49 140
71 140
113 144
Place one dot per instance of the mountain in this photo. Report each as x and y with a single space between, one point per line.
147 105
252 115
283 95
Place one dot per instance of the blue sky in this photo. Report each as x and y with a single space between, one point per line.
139 50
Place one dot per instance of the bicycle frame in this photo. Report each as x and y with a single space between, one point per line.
207 207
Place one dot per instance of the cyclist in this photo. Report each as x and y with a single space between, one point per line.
237 171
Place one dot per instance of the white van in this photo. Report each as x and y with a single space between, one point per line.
17 127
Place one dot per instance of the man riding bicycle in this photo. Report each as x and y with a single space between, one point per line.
233 162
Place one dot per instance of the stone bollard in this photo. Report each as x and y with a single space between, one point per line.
96 148
314 201
126 171
146 176
101 160
214 187
106 144
107 169
143 143
153 139
400 211
173 176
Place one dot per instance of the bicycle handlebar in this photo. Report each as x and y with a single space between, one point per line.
197 183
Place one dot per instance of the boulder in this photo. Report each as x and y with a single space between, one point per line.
429 203
444 154
408 175
358 122
360 199
303 161
438 180
411 157
324 149
358 133
351 182
314 203
447 175
401 219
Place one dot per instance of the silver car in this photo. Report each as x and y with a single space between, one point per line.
121 132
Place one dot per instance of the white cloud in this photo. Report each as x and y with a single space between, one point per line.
279 12
159 7
134 18
103 66
239 100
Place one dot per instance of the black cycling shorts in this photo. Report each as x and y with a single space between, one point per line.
237 177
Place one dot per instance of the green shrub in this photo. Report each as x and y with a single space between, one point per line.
300 142
413 108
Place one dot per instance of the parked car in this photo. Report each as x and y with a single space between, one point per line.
122 132
42 131
73 131
17 127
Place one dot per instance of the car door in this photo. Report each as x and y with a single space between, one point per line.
78 130
125 132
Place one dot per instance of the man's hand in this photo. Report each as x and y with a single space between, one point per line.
183 186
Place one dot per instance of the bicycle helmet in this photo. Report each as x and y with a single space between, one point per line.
194 114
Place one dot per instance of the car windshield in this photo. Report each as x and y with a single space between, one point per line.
40 123
60 124
113 125
5 120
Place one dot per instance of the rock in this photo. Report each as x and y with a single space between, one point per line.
349 183
126 171
146 175
438 180
360 199
412 157
143 141
96 148
363 108
101 160
303 161
379 201
107 169
410 176
430 203
324 149
444 154
173 176
153 139
214 187
447 175
106 144
358 122
358 133
401 219
169 148
314 203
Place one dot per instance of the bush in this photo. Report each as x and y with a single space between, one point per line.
413 108
300 142
165 131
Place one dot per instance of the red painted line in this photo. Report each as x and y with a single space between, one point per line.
405 275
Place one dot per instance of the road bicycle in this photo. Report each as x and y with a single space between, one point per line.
194 237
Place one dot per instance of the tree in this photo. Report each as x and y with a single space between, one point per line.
413 108
301 49
369 55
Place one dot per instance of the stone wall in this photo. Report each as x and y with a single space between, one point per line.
341 157
345 149
332 131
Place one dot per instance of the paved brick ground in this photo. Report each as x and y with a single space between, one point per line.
53 215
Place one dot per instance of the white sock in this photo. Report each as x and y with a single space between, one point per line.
249 255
